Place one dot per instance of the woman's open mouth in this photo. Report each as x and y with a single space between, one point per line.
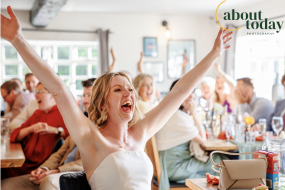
127 106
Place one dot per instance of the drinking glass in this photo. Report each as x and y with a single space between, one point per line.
208 119
277 125
262 124
267 135
250 137
230 132
5 128
216 128
239 131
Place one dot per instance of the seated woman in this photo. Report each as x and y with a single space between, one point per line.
38 134
143 84
207 88
222 95
177 161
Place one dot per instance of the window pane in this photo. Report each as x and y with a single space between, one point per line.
26 69
63 70
94 53
10 52
81 70
47 52
79 85
63 52
94 70
11 69
82 52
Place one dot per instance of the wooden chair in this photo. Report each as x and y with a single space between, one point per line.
152 152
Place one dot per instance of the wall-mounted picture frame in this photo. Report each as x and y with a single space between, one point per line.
150 47
181 57
154 69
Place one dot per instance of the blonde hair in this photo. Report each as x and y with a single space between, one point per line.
217 98
100 91
138 81
208 81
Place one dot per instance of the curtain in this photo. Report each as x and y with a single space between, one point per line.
229 66
104 49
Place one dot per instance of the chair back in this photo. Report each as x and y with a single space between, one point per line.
57 145
74 181
152 152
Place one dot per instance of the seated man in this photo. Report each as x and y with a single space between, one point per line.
65 160
24 115
87 85
279 109
31 82
15 98
256 107
38 134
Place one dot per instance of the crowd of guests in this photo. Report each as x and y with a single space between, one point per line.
108 134
37 125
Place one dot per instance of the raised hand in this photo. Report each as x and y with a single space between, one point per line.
221 42
140 63
10 28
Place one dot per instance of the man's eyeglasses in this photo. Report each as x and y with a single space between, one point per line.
39 91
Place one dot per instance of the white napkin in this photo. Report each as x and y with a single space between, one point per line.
198 152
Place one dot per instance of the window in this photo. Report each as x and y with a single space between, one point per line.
10 53
73 61
262 59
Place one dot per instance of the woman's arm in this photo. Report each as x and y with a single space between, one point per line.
111 67
140 64
191 105
201 138
229 80
158 116
77 124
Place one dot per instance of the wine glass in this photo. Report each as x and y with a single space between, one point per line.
262 124
277 125
228 132
208 119
216 128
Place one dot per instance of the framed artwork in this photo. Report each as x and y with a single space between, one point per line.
150 47
155 69
180 57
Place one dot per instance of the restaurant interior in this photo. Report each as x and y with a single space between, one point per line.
126 94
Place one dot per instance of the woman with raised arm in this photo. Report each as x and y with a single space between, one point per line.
221 96
113 151
143 84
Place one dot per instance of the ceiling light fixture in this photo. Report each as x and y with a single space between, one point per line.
167 31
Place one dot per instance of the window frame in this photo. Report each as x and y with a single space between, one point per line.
54 62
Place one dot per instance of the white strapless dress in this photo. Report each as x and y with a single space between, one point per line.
123 170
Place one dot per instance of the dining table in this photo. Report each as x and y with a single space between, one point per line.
200 184
217 144
12 154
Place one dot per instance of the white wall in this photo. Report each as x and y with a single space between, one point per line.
127 35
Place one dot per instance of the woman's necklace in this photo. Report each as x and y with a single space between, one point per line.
121 144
